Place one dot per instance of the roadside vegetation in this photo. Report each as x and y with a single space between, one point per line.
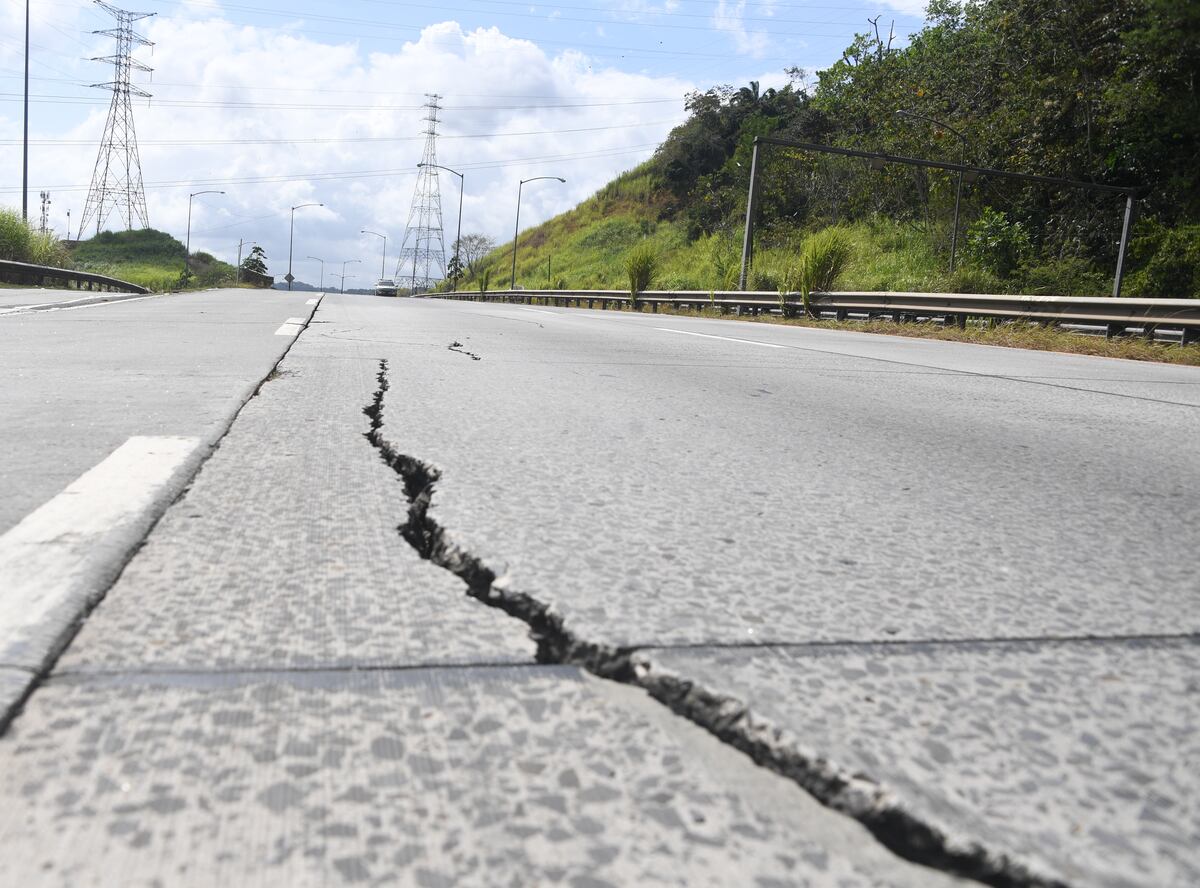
1098 91
149 258
152 259
20 243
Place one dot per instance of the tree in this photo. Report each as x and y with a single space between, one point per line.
256 261
471 248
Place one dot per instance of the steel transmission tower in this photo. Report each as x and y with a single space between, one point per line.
117 179
423 253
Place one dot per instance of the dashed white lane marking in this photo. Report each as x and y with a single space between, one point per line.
311 302
538 310
726 338
66 552
291 327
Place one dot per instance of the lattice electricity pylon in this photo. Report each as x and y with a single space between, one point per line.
422 260
117 178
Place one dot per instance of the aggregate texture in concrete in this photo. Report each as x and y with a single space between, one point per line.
1083 756
478 777
284 552
658 488
80 381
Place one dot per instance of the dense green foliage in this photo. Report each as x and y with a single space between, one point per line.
20 243
1100 91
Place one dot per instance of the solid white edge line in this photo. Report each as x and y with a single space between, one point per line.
63 554
43 307
726 338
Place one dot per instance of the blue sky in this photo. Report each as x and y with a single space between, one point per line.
283 104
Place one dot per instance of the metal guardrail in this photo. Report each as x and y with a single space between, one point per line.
41 275
1116 316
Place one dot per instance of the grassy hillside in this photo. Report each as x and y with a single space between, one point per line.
586 248
150 258
985 82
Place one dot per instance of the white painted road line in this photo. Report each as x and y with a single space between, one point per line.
291 327
726 338
62 556
312 302
74 304
538 310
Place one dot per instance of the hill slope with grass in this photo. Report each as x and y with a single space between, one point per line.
986 82
150 258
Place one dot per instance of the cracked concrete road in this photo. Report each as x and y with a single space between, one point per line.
941 587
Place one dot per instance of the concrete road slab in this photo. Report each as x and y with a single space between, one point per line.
1081 756
1141 379
477 777
79 382
284 553
667 489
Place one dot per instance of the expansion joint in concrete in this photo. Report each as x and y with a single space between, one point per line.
726 718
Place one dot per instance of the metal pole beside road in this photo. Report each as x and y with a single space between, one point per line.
187 247
512 285
291 232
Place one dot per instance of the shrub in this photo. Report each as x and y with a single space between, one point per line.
1173 270
14 236
995 243
641 266
822 260
485 278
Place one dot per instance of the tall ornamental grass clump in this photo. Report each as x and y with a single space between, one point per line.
822 260
14 236
641 267
20 243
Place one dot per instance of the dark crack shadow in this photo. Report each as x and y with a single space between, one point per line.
457 346
727 718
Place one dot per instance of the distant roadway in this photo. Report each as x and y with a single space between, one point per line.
476 594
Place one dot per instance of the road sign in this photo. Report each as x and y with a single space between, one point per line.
289 277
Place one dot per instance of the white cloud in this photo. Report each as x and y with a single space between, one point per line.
215 80
730 17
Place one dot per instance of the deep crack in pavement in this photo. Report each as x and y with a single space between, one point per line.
728 719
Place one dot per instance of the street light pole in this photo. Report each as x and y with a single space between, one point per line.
322 261
187 249
342 288
25 161
291 232
962 159
458 239
512 284
383 260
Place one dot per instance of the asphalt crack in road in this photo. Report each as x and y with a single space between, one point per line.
457 346
728 719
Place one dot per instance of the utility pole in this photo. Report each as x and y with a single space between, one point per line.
423 234
25 141
117 178
44 225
